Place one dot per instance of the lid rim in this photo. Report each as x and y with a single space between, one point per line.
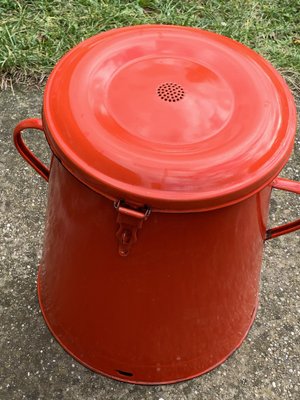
158 203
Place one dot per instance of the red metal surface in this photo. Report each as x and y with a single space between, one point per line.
226 132
177 306
32 123
129 221
171 120
123 374
290 186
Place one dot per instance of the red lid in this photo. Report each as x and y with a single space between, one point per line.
173 117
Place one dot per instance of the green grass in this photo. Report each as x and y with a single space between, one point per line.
34 34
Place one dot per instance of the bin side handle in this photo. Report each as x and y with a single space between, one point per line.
289 186
31 123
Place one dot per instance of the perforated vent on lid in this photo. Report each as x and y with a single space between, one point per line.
170 92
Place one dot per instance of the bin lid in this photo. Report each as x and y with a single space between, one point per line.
177 118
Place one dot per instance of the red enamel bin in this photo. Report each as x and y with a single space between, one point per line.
167 142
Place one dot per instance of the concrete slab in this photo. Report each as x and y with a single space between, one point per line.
32 364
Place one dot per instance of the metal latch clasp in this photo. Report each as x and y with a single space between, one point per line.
130 221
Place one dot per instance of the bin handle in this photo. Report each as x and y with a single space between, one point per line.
31 123
290 186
